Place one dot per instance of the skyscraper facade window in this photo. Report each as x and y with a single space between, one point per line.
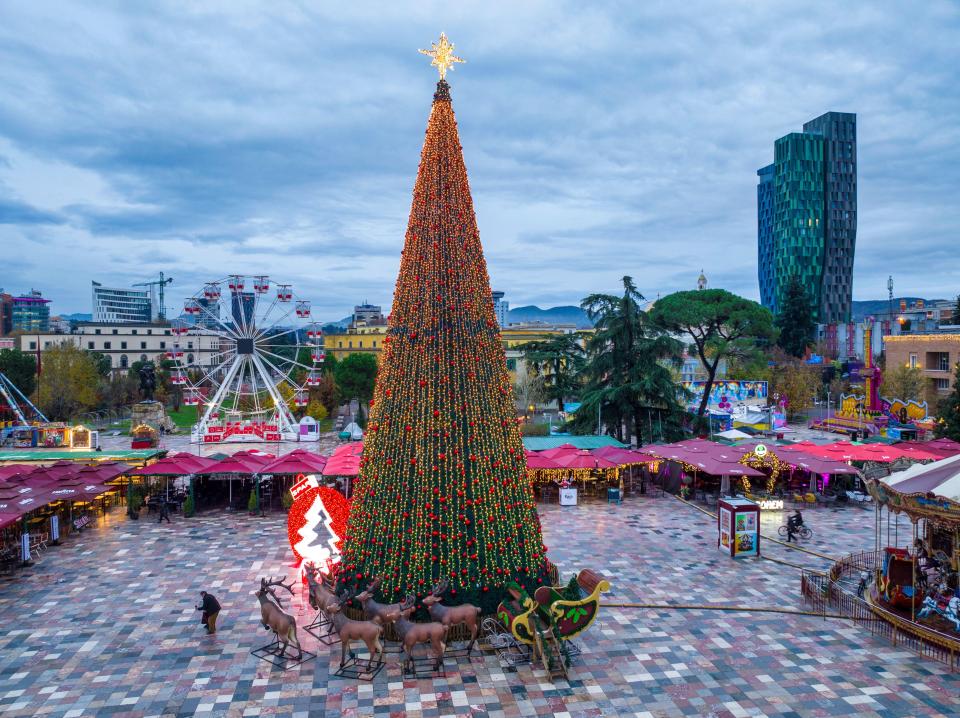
810 230
765 191
115 305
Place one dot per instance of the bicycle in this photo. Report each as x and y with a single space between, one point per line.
802 532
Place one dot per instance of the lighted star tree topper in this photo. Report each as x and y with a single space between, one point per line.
442 490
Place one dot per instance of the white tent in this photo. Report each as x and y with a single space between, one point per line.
356 433
733 435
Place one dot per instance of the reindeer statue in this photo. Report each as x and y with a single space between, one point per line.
383 613
275 618
369 632
320 595
451 616
413 633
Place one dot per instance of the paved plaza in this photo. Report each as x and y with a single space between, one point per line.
105 625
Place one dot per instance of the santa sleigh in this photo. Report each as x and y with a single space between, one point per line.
540 628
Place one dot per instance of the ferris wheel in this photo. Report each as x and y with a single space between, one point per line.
246 353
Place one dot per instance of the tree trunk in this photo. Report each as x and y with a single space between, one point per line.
711 373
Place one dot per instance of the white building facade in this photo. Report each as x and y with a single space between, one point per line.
115 305
127 343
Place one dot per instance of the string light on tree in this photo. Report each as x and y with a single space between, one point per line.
442 490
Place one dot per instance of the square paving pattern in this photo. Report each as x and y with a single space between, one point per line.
105 625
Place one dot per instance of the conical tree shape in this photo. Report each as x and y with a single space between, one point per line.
443 489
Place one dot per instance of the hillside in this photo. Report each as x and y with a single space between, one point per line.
554 315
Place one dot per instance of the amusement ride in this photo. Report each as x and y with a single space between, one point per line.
266 355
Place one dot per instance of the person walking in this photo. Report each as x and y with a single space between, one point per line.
164 511
211 609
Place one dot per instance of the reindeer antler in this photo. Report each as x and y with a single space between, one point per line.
281 583
440 587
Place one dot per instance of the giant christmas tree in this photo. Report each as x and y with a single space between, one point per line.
443 489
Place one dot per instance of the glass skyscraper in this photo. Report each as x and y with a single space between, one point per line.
810 230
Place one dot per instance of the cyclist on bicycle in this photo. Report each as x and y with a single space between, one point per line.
794 523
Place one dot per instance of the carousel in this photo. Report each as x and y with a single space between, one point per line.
915 577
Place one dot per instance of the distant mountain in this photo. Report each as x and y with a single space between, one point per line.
554 315
880 308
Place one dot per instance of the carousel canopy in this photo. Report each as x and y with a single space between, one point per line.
941 478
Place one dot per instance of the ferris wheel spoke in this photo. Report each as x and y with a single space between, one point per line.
281 374
270 337
219 395
287 360
283 411
230 332
277 322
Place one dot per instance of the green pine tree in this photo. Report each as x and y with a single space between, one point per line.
948 412
443 490
795 320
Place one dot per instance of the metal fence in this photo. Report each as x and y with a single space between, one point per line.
826 595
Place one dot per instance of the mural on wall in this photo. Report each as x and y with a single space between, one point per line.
724 395
904 412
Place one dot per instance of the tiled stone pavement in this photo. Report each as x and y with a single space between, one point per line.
105 625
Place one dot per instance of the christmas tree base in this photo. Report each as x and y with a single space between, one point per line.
363 669
283 657
322 629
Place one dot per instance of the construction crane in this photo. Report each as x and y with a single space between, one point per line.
161 283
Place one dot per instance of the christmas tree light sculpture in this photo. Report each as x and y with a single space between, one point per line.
442 490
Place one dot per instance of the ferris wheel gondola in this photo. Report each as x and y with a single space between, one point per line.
265 356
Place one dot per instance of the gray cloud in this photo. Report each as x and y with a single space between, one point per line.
601 139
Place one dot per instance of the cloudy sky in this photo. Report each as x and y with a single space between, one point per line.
602 139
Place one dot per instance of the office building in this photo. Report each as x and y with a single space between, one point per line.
242 307
29 313
368 315
117 305
765 190
807 216
500 308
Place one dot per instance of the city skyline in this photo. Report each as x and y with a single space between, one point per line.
131 142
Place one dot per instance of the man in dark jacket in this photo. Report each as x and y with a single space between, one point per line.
211 609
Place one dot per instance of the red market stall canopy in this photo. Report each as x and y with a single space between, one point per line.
14 469
561 450
937 449
197 464
169 466
296 462
818 465
623 457
537 461
582 459
343 465
242 464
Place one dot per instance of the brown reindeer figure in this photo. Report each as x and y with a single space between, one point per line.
349 630
413 633
452 615
382 613
320 596
275 618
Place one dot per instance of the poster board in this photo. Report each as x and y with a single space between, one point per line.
738 528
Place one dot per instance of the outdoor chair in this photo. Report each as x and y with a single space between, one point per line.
549 493
810 499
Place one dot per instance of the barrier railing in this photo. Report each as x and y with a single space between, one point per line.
826 594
